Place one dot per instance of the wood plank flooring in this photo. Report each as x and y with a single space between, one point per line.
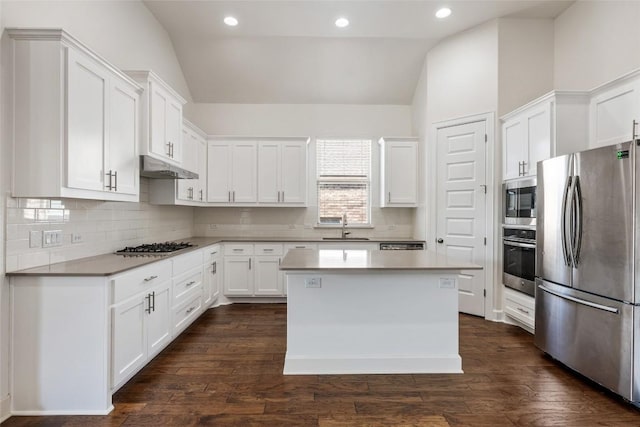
226 370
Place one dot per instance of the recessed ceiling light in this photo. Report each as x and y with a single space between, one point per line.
342 22
443 13
230 21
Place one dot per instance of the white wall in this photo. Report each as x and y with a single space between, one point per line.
595 42
420 126
125 33
525 61
358 121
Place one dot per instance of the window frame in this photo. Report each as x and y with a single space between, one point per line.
368 181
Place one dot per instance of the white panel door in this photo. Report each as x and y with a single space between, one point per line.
293 172
187 187
201 194
268 172
268 279
244 172
460 206
159 319
401 173
129 338
238 275
538 138
219 172
612 114
121 156
86 134
514 145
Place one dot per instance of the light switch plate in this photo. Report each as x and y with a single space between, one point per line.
313 282
51 238
76 238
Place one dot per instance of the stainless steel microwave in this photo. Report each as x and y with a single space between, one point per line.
520 202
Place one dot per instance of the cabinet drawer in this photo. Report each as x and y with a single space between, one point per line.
186 313
289 246
140 279
238 249
268 249
186 285
520 308
187 262
211 253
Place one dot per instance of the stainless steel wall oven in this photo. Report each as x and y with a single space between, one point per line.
519 258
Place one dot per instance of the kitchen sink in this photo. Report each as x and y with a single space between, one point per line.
345 238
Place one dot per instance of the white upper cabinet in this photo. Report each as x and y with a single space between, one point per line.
398 172
162 118
191 192
613 109
282 172
552 125
75 128
232 171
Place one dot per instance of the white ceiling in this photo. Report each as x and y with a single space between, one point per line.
291 51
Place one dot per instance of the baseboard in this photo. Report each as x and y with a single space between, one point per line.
64 412
372 365
5 408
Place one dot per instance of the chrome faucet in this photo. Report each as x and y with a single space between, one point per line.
345 233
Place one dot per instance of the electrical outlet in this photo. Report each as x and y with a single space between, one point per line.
76 238
313 282
35 239
51 238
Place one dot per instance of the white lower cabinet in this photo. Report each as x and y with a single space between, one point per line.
253 270
212 275
520 307
140 329
186 313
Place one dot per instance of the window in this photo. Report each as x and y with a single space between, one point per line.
344 169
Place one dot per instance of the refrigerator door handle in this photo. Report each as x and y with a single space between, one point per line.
563 222
580 301
577 234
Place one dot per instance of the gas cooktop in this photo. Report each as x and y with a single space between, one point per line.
154 248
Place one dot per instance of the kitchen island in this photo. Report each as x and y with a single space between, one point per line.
371 312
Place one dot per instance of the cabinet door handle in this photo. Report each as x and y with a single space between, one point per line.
249 263
524 171
153 298
201 194
109 187
168 144
214 268
234 196
115 180
633 130
229 195
148 309
389 199
150 278
278 197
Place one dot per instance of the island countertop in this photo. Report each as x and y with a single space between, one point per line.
363 259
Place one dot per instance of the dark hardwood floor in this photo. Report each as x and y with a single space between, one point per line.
226 370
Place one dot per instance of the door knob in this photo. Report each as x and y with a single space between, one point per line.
440 240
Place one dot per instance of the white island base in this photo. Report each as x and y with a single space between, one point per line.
372 322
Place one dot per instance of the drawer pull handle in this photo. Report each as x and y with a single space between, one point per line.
300 247
190 310
523 310
190 283
150 278
214 252
268 250
238 250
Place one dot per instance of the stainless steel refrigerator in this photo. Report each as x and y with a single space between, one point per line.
587 312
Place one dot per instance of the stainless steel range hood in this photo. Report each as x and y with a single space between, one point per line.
158 169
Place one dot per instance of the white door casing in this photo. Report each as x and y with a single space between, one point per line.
461 222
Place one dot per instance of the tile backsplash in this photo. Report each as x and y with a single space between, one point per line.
295 222
101 226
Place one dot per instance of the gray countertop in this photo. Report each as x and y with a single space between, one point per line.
110 264
363 259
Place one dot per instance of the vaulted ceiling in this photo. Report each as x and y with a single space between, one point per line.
291 51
